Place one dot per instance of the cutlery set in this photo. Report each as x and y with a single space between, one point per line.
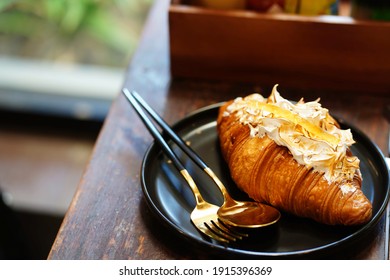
233 220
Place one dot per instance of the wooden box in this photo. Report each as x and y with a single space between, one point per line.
325 52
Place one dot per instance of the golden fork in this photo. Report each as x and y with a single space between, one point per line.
204 216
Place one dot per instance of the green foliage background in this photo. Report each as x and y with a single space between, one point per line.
102 32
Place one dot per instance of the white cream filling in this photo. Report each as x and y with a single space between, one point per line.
306 148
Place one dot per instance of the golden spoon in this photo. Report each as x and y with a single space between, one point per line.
243 214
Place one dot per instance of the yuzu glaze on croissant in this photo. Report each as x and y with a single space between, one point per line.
294 157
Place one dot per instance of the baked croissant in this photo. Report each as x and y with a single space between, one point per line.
293 157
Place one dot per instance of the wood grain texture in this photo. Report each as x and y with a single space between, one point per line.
108 217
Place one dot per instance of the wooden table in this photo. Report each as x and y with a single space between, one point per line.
108 217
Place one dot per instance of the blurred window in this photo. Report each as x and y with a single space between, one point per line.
66 56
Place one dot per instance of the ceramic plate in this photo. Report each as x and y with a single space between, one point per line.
172 201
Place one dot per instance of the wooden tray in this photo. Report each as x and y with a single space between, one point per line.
328 52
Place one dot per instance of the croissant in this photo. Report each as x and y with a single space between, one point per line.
293 156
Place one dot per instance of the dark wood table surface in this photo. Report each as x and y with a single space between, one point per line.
109 218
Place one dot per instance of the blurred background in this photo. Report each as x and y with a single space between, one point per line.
62 62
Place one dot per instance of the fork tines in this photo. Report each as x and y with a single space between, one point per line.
224 231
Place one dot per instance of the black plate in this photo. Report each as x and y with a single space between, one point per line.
171 199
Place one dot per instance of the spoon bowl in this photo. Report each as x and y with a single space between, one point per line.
248 214
243 214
